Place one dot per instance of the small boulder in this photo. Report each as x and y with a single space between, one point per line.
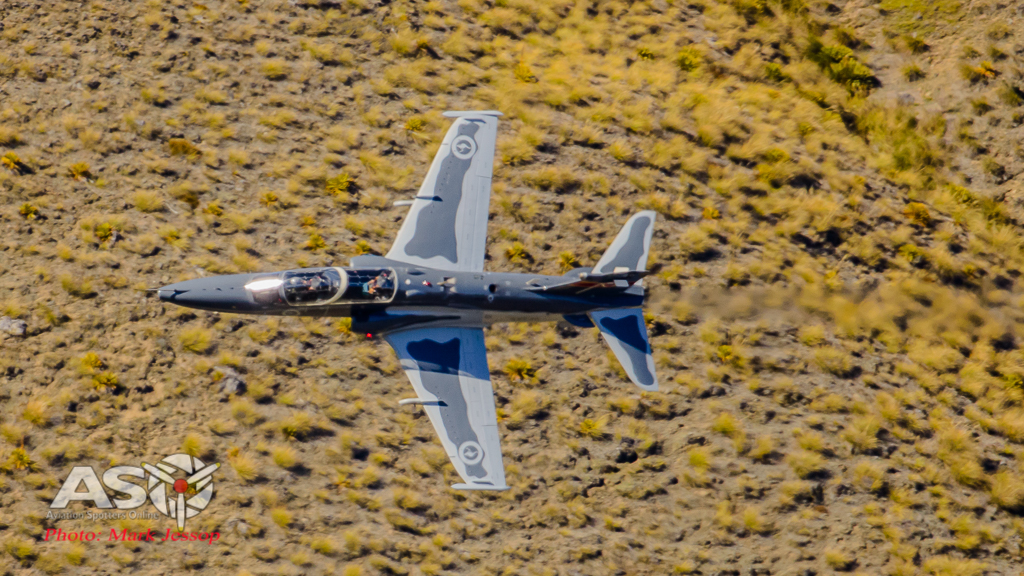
230 381
13 326
238 526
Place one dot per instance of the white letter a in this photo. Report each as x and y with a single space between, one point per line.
68 491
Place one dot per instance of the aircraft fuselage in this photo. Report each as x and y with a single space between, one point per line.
406 296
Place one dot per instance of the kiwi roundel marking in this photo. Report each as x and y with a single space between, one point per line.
438 363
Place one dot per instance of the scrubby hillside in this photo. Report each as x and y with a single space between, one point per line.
835 308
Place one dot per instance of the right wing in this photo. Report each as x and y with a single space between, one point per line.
448 370
446 227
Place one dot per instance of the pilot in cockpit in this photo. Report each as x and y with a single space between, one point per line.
317 283
375 284
370 288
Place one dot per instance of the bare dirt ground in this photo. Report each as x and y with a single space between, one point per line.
835 311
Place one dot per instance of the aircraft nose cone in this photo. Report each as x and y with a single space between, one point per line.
167 294
217 293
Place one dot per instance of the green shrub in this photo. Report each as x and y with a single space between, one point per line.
806 464
315 242
524 73
915 44
773 72
689 59
28 211
338 185
77 286
596 429
913 72
841 65
1011 95
275 69
518 369
147 201
182 147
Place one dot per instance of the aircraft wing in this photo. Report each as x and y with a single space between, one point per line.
448 370
446 227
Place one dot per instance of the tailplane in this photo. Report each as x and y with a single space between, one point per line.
625 332
625 262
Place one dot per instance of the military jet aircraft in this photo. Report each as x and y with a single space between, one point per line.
430 298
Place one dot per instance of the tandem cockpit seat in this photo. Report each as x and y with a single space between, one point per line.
372 285
309 287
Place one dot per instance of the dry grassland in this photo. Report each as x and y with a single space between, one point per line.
835 312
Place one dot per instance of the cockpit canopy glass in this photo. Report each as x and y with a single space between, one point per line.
319 286
308 287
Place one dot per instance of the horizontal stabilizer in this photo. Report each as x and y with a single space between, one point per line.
630 276
625 332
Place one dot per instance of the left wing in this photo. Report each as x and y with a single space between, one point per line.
446 227
448 370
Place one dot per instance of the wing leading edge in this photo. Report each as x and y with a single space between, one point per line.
446 227
448 370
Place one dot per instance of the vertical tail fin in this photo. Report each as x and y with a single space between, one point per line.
625 332
631 247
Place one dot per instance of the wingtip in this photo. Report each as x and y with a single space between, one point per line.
646 387
481 487
470 113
